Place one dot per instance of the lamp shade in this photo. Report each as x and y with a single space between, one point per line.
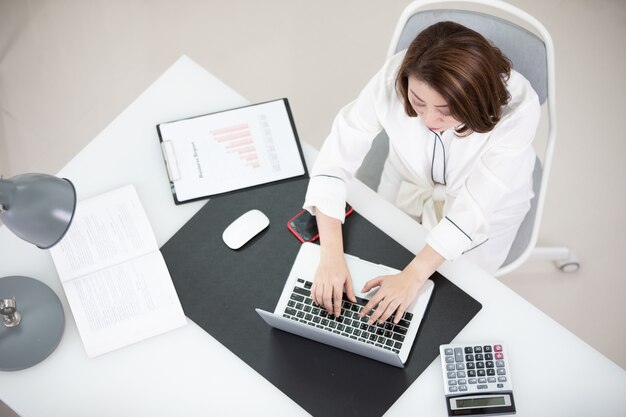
38 208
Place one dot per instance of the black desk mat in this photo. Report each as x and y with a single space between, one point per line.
219 289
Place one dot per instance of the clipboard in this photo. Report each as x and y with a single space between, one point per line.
231 150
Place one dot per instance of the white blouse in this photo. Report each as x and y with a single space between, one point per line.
483 180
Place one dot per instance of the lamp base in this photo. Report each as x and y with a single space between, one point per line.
41 328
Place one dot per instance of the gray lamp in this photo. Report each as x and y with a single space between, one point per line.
39 209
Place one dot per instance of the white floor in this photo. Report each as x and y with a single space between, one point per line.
69 67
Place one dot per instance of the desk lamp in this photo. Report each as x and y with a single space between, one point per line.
38 208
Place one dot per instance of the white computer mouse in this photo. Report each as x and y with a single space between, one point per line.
247 226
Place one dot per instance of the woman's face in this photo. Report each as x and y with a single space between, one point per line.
430 106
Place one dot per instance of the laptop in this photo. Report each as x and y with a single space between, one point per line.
296 313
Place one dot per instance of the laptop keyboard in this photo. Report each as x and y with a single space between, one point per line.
386 335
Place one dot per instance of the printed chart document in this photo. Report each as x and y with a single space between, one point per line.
114 276
231 150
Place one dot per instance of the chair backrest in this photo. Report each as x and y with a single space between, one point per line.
531 55
526 50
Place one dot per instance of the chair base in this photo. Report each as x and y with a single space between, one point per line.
564 258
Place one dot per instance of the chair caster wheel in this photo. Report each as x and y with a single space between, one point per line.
569 265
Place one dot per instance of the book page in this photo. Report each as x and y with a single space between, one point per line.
124 304
231 150
106 230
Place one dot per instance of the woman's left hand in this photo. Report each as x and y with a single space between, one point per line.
395 294
398 291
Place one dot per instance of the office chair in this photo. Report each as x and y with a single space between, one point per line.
532 55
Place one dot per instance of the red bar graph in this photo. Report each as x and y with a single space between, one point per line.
237 140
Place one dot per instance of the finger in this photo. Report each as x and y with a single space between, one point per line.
313 289
350 290
382 306
371 304
337 300
327 298
391 307
319 294
372 283
399 313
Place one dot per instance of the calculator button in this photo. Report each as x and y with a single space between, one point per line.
451 375
489 364
484 380
497 348
448 351
472 380
458 357
499 364
453 389
469 358
486 348
491 372
482 386
499 356
480 357
481 372
471 365
458 350
501 379
462 382
460 374
460 367
469 350
480 365
489 356
501 371
449 359
478 349
452 382
471 373
450 367
463 388
491 380
500 385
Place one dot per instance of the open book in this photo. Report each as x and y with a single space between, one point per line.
113 274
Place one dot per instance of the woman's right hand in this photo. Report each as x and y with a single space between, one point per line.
332 275
331 279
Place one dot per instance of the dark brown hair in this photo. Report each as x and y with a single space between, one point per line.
464 68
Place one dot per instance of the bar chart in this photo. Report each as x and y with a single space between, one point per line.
238 140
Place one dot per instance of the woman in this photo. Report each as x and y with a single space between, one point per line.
460 123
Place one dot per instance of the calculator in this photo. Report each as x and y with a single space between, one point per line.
477 379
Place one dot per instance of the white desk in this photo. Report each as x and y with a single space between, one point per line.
187 372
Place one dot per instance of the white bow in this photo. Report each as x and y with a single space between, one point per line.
422 201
